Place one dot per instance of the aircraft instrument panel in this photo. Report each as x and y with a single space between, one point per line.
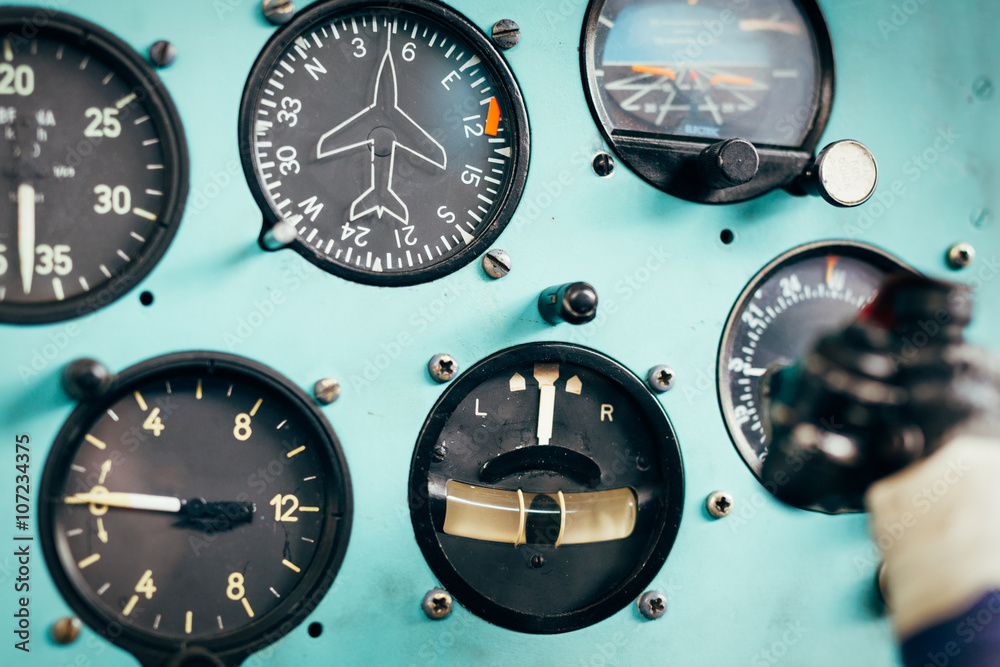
427 332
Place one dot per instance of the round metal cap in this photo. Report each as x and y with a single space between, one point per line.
847 173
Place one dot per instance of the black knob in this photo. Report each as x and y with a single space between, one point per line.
575 303
85 379
729 163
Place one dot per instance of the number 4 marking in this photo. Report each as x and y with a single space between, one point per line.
153 423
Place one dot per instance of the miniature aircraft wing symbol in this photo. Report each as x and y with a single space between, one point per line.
382 120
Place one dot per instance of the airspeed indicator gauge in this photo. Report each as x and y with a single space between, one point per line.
93 167
394 140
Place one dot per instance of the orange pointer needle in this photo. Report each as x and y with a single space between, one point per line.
831 264
725 78
647 69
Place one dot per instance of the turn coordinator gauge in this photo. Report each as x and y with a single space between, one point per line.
546 488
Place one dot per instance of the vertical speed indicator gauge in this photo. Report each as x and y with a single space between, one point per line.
394 140
93 167
797 297
202 504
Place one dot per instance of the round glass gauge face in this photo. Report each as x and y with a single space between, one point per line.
546 488
394 141
93 168
197 504
715 69
795 299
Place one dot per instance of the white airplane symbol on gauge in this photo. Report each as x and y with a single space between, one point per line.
383 127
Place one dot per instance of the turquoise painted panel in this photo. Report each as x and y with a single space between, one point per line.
766 586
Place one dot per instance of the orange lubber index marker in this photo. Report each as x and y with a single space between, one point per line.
493 118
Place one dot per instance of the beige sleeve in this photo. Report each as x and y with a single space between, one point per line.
938 525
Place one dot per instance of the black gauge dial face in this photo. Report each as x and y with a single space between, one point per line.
716 69
798 297
394 141
546 488
92 169
202 500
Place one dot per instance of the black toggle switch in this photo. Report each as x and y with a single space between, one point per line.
575 303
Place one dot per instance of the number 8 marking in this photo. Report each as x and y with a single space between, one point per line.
242 431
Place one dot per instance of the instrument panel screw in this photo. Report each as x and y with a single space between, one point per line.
604 164
496 263
436 604
719 504
961 255
661 379
442 367
537 561
86 379
326 391
652 605
278 12
66 630
162 53
506 33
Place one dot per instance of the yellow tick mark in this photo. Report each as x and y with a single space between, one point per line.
130 606
303 508
94 441
187 622
105 469
297 450
141 401
197 391
123 102
256 406
291 566
246 605
90 560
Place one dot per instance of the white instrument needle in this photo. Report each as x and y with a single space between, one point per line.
546 375
135 501
26 233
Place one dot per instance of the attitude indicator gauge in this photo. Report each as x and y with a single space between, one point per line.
719 101
202 504
93 167
804 293
546 488
394 142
